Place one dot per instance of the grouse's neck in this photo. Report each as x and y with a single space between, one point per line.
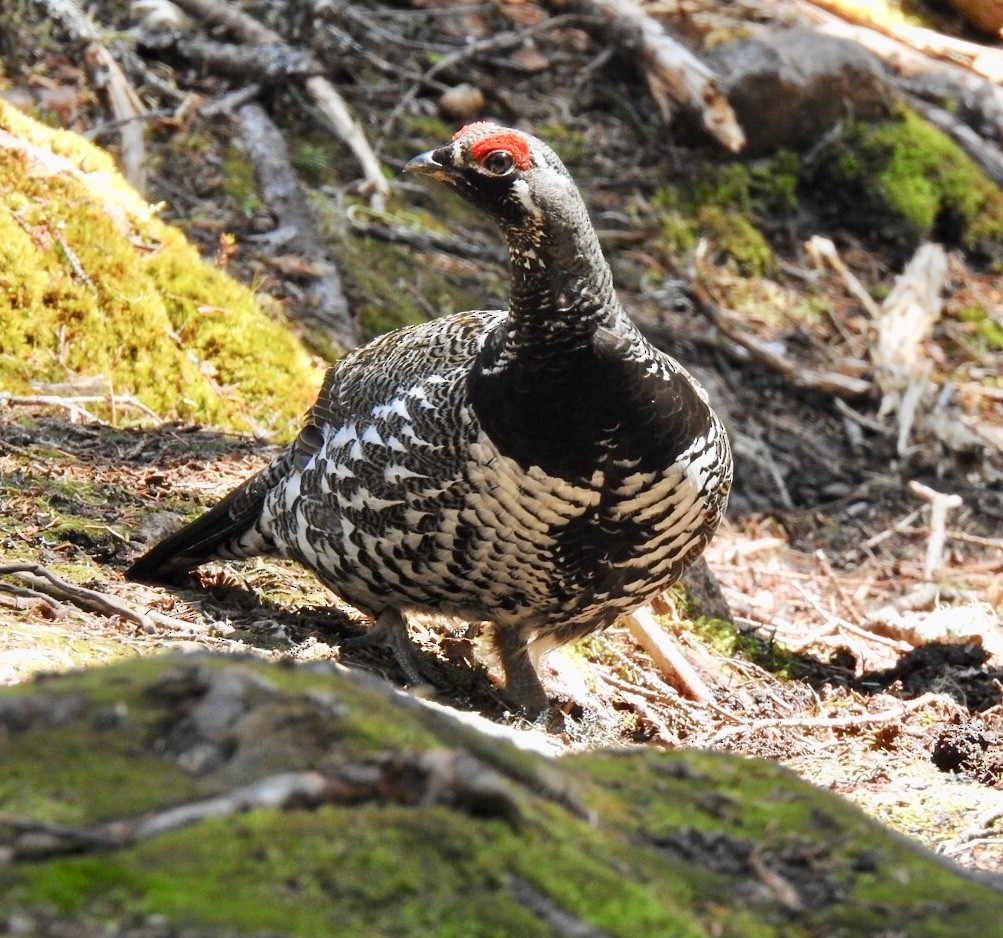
561 288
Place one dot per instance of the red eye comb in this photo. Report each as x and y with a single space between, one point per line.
511 141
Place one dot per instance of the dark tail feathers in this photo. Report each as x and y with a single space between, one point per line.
215 533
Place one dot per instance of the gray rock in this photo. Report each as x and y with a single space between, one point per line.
790 86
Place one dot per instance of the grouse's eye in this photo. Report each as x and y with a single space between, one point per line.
498 162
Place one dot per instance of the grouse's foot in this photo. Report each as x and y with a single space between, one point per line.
390 631
522 684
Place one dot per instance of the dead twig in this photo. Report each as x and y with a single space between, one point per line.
828 723
425 240
901 526
822 252
829 382
940 505
55 607
75 404
650 635
44 581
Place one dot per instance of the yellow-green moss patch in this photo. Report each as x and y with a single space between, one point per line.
93 284
904 181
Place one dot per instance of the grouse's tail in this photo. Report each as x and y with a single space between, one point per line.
229 529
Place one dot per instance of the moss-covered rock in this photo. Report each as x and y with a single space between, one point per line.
93 284
903 181
220 796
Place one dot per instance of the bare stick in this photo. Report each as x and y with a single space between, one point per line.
73 404
822 251
424 240
833 383
826 723
670 660
44 581
940 505
23 592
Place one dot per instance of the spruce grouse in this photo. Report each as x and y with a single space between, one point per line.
544 468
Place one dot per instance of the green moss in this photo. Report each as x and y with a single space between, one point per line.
375 870
569 143
730 641
725 187
93 284
724 204
988 332
238 180
871 880
738 239
906 181
773 184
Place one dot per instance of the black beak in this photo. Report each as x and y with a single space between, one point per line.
427 165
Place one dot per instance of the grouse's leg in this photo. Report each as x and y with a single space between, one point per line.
390 631
522 685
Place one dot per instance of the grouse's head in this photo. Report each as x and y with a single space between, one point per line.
512 175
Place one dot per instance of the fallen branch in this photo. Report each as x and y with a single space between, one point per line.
426 240
325 305
983 60
75 404
232 20
676 669
675 76
44 581
106 73
827 382
822 252
266 63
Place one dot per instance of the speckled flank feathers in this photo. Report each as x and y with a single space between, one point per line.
544 467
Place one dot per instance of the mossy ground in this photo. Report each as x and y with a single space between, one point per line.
635 856
94 286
